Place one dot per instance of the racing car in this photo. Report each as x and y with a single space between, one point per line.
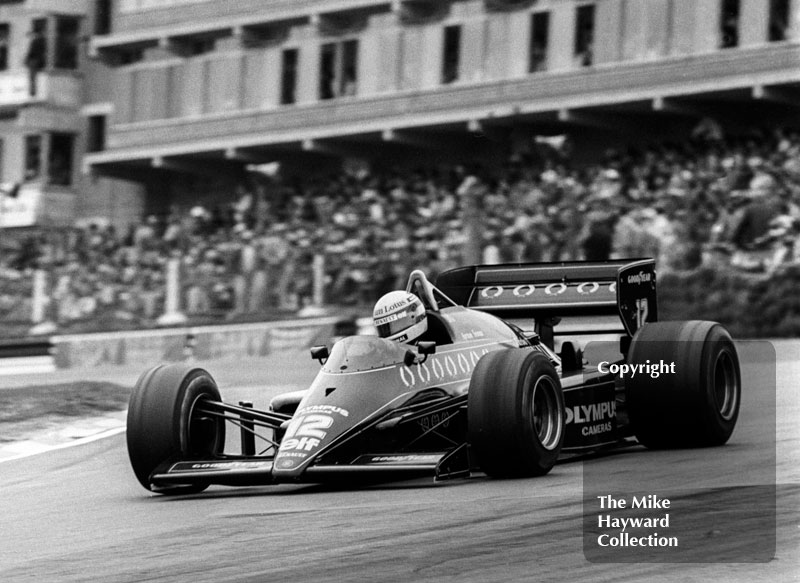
497 383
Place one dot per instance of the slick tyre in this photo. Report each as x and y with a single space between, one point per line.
165 422
698 405
515 414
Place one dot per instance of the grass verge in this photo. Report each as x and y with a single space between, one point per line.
27 410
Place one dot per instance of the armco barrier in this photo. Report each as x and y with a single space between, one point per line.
748 305
25 347
26 356
148 347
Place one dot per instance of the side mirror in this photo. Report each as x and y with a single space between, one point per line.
320 353
426 347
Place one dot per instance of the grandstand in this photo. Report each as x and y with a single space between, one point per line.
203 90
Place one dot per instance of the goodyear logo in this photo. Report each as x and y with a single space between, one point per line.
641 277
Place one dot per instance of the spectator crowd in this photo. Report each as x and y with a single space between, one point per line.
349 237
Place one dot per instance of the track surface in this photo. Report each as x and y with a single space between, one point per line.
79 515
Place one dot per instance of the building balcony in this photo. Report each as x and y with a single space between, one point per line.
62 89
138 21
747 74
38 205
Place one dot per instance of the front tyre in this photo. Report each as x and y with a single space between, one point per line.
165 422
698 405
516 414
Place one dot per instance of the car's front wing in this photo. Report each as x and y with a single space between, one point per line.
255 472
450 461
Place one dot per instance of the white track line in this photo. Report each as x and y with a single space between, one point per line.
39 448
27 365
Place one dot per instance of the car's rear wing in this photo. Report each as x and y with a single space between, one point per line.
585 291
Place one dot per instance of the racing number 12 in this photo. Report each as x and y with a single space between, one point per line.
309 426
641 312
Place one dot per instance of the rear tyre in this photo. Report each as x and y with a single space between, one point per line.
165 422
698 405
515 412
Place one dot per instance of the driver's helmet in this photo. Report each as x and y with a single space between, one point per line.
400 316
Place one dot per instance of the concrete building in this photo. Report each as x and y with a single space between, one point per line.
41 91
195 91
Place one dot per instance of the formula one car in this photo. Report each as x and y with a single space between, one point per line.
482 389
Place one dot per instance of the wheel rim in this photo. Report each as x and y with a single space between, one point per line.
203 431
726 394
545 412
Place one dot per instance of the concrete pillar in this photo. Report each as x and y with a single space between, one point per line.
318 271
562 37
473 33
369 60
472 191
517 44
258 92
608 24
432 49
308 72
52 23
193 92
158 82
272 63
39 299
753 22
122 93
707 25
634 32
390 64
44 157
656 42
682 28
223 83
496 53
794 21
410 57
172 314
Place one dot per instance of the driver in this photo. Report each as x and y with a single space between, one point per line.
400 316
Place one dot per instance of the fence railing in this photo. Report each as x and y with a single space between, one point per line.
749 304
175 293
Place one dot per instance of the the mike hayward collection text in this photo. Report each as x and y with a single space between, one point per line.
632 531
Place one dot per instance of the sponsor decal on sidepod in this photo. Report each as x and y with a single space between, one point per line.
594 413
